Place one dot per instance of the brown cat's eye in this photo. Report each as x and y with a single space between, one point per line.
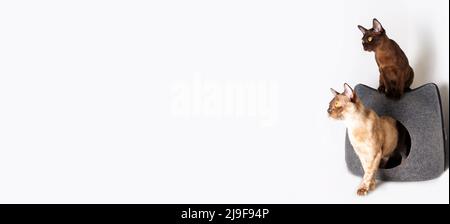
370 39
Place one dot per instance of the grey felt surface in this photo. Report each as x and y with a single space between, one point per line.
420 111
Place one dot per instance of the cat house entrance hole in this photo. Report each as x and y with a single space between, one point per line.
403 148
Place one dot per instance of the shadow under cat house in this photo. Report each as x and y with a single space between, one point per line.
420 153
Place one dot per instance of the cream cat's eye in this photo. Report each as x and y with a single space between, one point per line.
336 104
370 39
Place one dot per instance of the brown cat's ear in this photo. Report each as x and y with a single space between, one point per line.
363 30
334 92
348 91
377 26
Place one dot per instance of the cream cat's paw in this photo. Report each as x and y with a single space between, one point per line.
372 185
362 191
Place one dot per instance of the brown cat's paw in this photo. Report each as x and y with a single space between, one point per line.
389 94
362 191
397 95
393 95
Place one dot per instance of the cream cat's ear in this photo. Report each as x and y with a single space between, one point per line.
334 92
377 26
363 30
348 91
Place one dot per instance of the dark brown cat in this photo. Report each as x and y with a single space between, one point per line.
396 76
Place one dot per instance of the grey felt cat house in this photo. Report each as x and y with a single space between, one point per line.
420 114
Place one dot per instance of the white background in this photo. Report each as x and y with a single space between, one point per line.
85 98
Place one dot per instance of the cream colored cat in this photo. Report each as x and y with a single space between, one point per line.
374 138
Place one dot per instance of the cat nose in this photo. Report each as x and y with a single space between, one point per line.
329 110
